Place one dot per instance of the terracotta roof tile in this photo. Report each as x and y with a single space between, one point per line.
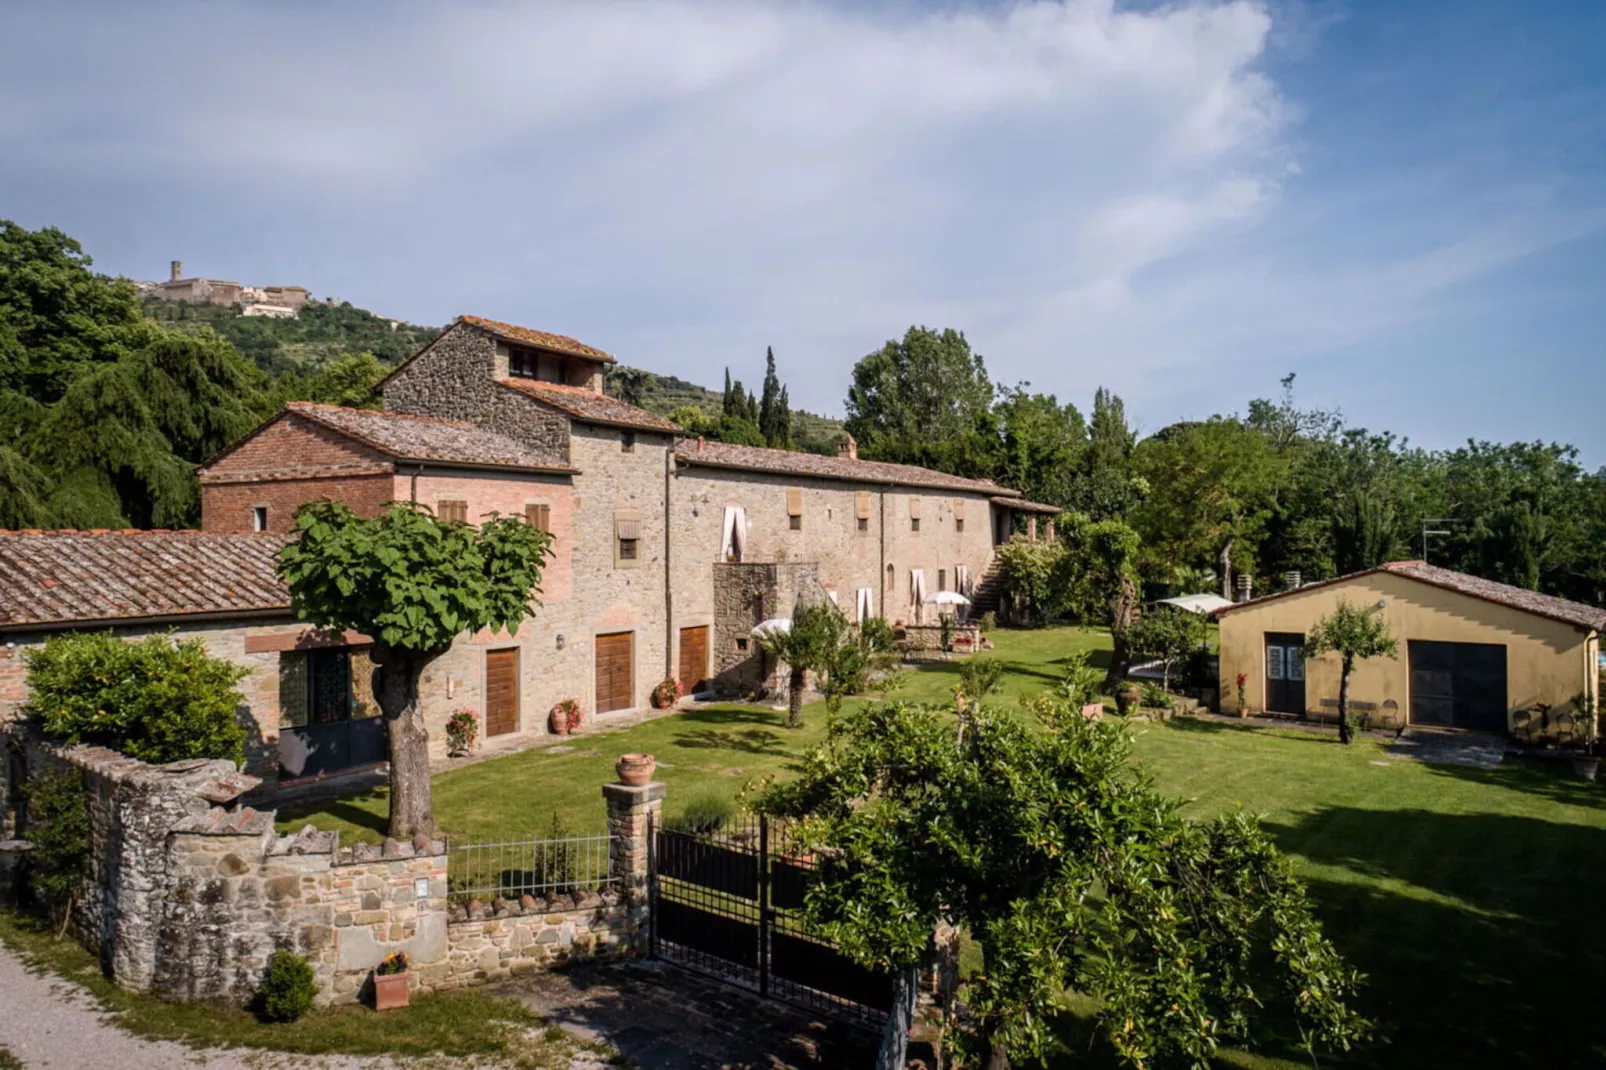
51 577
589 405
426 438
1577 614
1028 507
528 336
789 462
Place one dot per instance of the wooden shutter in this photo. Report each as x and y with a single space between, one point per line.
794 503
914 508
501 691
452 509
539 517
959 508
864 504
614 672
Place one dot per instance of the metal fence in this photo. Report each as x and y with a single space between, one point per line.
540 868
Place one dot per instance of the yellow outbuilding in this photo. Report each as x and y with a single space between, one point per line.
1472 653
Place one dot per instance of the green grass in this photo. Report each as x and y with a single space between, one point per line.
9 1061
1472 899
462 1024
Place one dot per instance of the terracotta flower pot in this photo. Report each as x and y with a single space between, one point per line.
390 990
558 721
1126 699
635 769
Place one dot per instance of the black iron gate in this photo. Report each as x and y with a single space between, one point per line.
725 904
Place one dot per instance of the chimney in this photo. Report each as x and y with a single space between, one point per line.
847 447
175 269
1245 587
700 443
1291 579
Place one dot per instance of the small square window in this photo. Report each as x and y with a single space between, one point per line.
914 523
741 642
627 549
627 442
864 525
259 518
796 523
959 523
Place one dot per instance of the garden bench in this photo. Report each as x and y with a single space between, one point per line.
1364 712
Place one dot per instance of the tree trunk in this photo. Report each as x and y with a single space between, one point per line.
1226 569
412 809
794 698
1345 735
1122 608
998 1056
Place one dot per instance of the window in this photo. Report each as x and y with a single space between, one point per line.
325 685
959 515
863 511
794 510
914 514
892 576
522 364
942 579
539 516
734 540
864 525
259 518
452 510
795 523
627 442
741 642
914 524
627 538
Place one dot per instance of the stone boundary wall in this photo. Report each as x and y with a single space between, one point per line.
189 895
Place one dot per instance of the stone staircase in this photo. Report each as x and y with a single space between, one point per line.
987 593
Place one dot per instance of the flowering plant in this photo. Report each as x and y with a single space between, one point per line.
462 728
569 713
1243 679
667 693
392 965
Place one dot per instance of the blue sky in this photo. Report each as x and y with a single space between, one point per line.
1404 203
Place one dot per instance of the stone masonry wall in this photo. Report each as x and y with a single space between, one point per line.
744 595
188 898
456 376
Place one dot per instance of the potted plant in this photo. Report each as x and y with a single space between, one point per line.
667 693
462 728
1243 703
1127 697
566 717
391 978
635 769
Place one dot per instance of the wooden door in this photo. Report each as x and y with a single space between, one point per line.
501 692
615 675
693 659
1285 673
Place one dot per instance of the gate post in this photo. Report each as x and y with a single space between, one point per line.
632 813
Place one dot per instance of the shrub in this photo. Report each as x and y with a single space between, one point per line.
707 811
877 634
392 965
987 622
553 862
288 988
462 729
59 829
156 700
1153 696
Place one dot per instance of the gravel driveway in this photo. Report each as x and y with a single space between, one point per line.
51 1024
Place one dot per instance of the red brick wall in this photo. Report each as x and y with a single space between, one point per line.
287 463
227 506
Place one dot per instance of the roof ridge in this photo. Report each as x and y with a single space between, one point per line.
137 531
299 406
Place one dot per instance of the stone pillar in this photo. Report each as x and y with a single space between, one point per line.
631 813
1031 529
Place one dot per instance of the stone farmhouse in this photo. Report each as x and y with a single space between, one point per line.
668 550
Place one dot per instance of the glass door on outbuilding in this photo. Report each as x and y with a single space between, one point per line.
1285 673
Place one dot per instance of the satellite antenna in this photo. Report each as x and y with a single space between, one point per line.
1428 529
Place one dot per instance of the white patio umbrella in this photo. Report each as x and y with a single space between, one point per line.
948 598
774 624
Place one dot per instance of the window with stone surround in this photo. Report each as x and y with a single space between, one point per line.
794 510
959 515
914 515
451 510
862 511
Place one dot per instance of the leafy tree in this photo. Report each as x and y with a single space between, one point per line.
774 409
1098 582
1168 634
810 645
61 830
1211 489
350 379
1071 873
738 402
1109 486
414 584
1353 633
1029 574
924 400
158 700
1041 446
738 431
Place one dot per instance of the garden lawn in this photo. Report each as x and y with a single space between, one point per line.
1471 898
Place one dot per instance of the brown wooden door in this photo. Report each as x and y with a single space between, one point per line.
615 680
693 659
501 692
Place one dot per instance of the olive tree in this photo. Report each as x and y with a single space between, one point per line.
1072 874
812 644
1168 634
412 583
1354 633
